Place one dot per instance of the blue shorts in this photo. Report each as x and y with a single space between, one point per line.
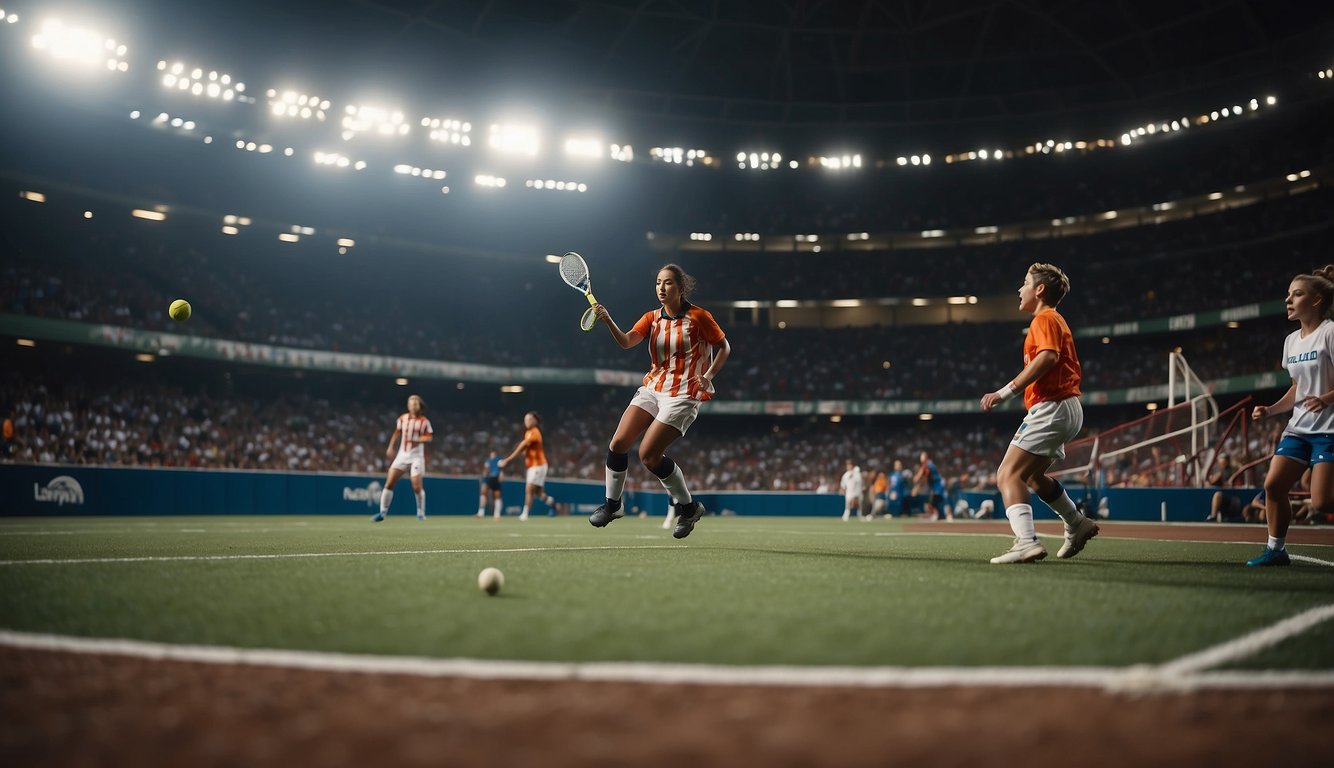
1308 449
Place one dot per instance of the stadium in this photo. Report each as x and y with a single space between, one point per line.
370 206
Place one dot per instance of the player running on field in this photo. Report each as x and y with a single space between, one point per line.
535 459
412 432
687 350
1050 383
490 483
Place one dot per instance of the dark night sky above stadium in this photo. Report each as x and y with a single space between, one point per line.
768 63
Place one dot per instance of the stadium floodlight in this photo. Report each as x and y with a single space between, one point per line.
930 233
179 76
338 160
36 197
514 139
990 229
288 237
346 242
140 213
425 173
760 161
845 303
228 229
80 46
682 156
371 119
448 130
294 104
559 186
840 162
787 303
552 258
593 149
487 180
622 153
701 236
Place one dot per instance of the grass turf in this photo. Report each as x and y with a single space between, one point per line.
738 591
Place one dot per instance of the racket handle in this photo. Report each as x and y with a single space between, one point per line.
591 301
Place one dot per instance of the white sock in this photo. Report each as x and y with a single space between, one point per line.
386 496
481 506
524 513
847 512
1276 542
675 483
421 501
615 483
1021 522
500 507
1066 508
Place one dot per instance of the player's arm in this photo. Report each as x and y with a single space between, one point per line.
517 450
393 440
1283 405
625 340
1042 362
721 351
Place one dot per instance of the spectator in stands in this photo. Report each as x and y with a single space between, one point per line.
1308 440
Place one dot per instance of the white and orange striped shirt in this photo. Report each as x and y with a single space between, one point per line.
679 348
412 428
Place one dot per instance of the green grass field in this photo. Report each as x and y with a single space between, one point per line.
739 591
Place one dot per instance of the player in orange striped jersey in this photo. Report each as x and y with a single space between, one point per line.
687 349
412 432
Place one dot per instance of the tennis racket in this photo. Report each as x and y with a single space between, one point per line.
574 272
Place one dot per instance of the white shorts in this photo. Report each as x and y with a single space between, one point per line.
412 463
678 412
852 498
1049 426
537 475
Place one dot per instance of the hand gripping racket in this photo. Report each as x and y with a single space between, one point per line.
574 272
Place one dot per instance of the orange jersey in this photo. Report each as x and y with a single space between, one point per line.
881 484
411 428
1049 331
533 455
679 349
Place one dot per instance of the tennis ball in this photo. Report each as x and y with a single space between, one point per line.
179 310
490 580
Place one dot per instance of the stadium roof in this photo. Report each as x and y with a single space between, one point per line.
783 64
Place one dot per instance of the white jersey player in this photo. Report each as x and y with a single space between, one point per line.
411 434
853 487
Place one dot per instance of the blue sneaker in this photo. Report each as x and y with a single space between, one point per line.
1271 557
377 517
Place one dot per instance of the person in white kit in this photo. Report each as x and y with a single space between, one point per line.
412 432
1308 440
852 485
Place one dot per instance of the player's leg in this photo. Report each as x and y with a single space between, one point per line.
482 493
653 453
387 495
1284 472
1011 476
419 490
530 491
498 505
634 421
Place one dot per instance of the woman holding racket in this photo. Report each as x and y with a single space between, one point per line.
686 350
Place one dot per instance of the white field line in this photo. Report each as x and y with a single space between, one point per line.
1248 644
1114 679
299 555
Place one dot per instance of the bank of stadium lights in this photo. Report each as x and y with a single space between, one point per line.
840 162
514 139
181 77
592 149
759 161
426 173
1298 176
79 46
251 146
345 244
903 160
489 181
1325 74
374 120
991 155
12 18
35 197
449 131
680 156
857 236
164 120
232 224
298 105
747 237
559 186
702 237
339 161
622 153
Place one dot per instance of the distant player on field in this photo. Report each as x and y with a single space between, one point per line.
490 483
412 432
687 349
932 483
1050 383
535 460
853 485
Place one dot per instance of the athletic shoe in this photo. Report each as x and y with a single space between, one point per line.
686 517
604 514
523 516
1075 539
1271 557
421 516
377 517
1022 552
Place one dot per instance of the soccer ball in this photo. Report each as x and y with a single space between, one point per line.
490 580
